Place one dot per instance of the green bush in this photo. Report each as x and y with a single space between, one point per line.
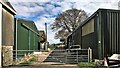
52 46
29 61
32 59
86 64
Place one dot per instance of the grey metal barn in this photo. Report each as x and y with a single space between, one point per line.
100 32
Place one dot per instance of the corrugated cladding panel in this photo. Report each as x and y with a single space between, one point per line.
110 27
36 42
31 41
104 32
113 21
118 32
77 37
22 38
110 32
90 40
27 36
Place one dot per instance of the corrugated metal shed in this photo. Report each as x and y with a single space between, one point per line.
100 32
27 36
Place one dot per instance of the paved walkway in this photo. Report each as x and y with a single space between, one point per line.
45 66
43 56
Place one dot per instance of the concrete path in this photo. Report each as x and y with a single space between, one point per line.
43 56
45 66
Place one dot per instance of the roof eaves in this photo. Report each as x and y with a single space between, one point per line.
12 10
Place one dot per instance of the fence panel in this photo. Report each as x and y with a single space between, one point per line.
78 55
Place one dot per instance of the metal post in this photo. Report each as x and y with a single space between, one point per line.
0 35
46 36
16 41
46 30
89 54
66 57
77 56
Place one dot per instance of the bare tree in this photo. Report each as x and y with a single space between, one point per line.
67 22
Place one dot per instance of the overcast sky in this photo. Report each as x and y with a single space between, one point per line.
45 11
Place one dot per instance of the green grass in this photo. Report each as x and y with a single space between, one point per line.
52 46
86 64
29 61
32 59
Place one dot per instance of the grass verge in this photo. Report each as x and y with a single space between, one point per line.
86 64
32 59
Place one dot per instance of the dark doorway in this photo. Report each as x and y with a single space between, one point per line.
38 45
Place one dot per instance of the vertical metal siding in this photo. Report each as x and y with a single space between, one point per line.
108 23
103 33
114 29
22 39
118 34
27 37
90 40
111 31
31 40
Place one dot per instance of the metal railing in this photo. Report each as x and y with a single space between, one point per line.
60 55
17 54
70 56
78 55
56 56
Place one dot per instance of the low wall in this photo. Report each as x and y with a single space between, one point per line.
7 55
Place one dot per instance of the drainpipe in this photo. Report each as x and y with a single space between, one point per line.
0 35
16 40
